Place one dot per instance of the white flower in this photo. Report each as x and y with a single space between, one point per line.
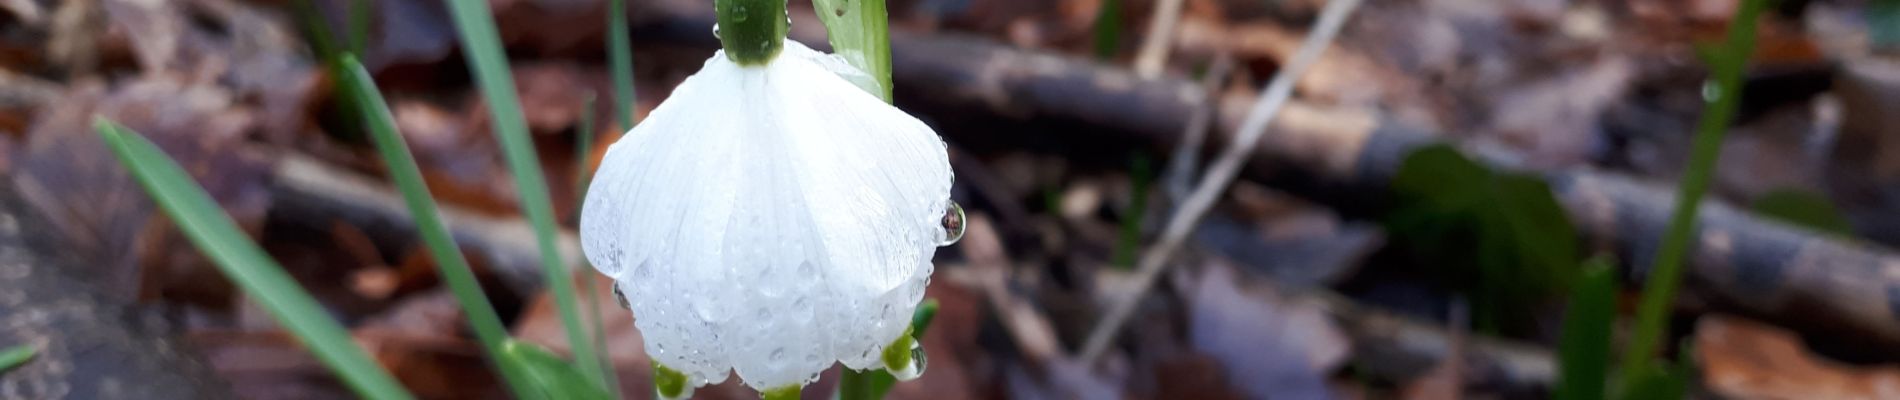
770 219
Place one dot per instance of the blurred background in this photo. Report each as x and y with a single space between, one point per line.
1340 264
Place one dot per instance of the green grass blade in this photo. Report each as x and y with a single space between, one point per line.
219 238
15 356
584 147
359 23
481 44
1108 29
620 59
860 32
552 377
1659 290
450 264
1584 353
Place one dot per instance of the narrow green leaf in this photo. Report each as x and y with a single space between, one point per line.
1804 209
481 44
1584 353
450 263
553 377
13 357
1725 89
241 260
620 57
584 145
1128 245
1108 29
860 32
360 19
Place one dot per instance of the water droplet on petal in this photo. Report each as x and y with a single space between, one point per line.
716 32
952 224
917 364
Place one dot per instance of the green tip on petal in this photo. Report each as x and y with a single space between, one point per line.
670 384
897 354
787 392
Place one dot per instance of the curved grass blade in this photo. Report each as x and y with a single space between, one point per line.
450 263
241 260
482 46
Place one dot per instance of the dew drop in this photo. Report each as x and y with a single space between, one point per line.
739 13
716 32
952 224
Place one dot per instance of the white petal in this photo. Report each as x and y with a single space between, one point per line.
771 220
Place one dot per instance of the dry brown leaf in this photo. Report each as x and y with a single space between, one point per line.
1269 345
1746 360
199 126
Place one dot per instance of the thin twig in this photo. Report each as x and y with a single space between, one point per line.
1186 159
1154 46
1219 175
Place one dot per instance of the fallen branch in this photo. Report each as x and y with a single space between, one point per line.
311 193
1346 159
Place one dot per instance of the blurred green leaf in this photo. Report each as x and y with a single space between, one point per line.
481 45
1883 25
13 357
1128 244
1503 237
553 377
1584 351
1108 29
241 260
1804 209
1662 380
860 32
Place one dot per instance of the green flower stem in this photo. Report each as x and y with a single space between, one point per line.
1659 292
752 31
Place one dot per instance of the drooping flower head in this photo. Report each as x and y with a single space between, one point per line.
770 217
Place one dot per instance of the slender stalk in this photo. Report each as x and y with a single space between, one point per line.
584 146
360 18
482 46
620 58
449 261
1724 92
